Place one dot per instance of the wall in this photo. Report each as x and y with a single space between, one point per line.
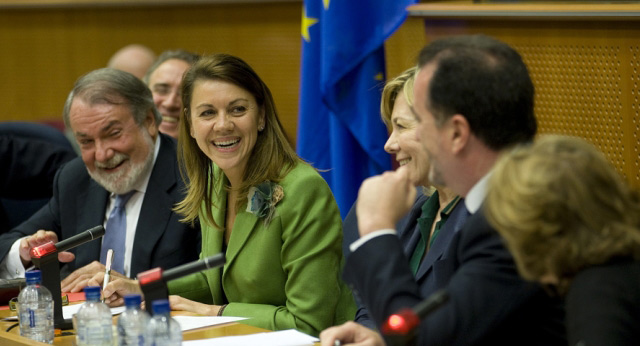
44 50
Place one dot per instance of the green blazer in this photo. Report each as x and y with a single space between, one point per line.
285 275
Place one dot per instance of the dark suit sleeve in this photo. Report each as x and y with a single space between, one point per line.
486 293
47 218
29 166
351 233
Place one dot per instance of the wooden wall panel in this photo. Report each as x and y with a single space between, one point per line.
45 50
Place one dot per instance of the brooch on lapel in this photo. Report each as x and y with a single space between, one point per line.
262 200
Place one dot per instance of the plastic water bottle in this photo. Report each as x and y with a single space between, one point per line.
36 309
94 325
162 329
132 323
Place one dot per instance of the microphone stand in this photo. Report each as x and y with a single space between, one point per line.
153 282
45 258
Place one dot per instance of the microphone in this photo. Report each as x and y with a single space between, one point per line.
156 274
79 239
406 320
69 243
45 257
194 267
153 282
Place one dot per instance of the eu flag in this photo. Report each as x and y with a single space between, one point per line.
343 72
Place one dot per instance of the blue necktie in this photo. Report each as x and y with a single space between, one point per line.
116 233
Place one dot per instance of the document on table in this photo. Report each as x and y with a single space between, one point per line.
194 322
69 310
290 337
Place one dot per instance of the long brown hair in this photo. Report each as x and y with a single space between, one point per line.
271 158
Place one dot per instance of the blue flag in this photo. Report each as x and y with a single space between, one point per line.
343 73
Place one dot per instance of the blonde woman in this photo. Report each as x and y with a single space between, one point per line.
437 212
573 224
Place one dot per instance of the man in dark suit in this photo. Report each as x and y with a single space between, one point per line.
473 99
409 235
113 118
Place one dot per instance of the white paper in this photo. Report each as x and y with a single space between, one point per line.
70 310
290 337
194 322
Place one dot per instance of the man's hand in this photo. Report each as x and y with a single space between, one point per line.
351 333
79 279
40 238
383 200
116 289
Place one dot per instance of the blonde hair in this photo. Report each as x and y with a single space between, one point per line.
561 207
272 156
404 83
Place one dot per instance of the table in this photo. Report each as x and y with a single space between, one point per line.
13 337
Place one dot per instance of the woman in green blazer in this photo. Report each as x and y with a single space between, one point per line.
271 213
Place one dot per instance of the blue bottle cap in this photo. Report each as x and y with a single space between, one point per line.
161 306
132 300
33 277
92 293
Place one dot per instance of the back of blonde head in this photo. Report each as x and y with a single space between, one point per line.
561 207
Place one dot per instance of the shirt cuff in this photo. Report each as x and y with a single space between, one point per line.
11 267
356 244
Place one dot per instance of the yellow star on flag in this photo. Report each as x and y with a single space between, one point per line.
379 76
326 4
306 24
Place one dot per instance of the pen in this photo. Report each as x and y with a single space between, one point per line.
107 270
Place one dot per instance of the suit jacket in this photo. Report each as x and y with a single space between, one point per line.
489 303
603 304
409 235
79 203
285 275
30 153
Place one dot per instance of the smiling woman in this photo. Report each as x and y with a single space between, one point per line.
270 212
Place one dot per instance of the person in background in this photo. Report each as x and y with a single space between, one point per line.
30 153
473 99
572 223
134 58
164 78
436 214
112 115
272 214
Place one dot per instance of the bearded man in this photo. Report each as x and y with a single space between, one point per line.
127 174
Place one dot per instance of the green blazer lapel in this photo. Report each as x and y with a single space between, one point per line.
243 226
213 241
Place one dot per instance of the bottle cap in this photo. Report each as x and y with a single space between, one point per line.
161 306
33 277
92 293
132 300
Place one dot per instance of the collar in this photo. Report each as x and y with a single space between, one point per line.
476 195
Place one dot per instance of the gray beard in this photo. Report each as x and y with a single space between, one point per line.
125 180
